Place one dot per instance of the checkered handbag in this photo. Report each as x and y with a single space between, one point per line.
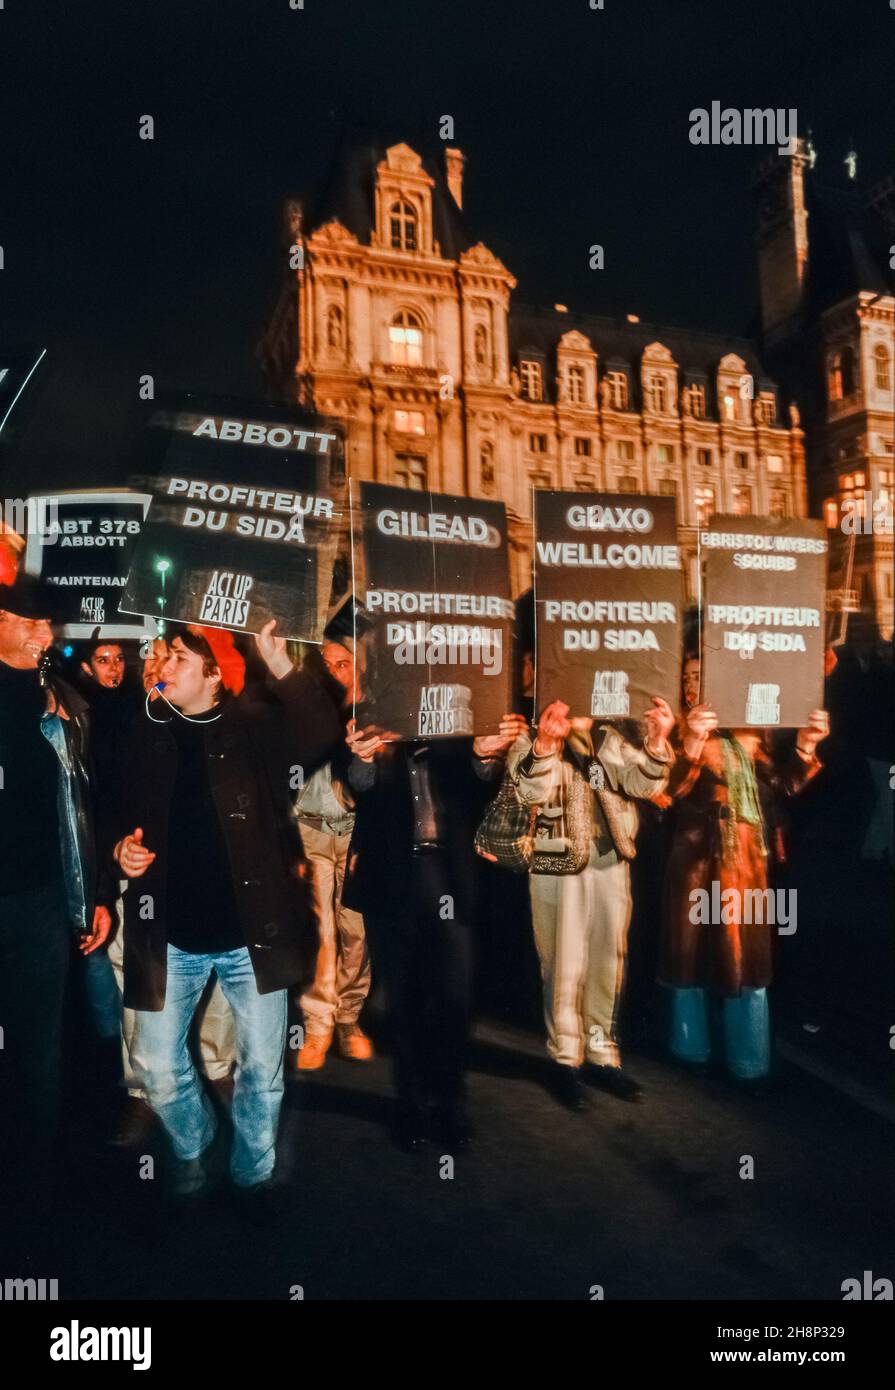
564 828
506 833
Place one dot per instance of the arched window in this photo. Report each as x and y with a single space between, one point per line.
831 513
575 385
532 384
403 226
406 340
480 345
742 500
778 506
334 336
704 498
881 369
486 465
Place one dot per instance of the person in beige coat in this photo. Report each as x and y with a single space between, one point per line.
581 920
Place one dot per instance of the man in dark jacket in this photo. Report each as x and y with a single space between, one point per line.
412 874
206 796
48 887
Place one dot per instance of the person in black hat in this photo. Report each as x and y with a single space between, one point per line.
48 891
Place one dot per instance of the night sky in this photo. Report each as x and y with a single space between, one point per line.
126 256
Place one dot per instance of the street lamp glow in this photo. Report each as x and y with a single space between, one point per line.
162 566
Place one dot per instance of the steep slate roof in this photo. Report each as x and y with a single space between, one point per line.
847 246
349 192
620 343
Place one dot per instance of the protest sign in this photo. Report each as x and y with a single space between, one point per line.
243 524
82 543
607 602
434 587
763 608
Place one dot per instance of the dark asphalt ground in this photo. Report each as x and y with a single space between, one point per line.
645 1201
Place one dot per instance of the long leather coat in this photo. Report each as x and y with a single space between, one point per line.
255 751
98 883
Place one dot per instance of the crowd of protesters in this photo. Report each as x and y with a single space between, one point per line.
229 849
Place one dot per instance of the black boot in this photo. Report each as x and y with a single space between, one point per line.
566 1086
617 1082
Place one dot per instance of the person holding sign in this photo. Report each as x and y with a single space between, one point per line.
203 825
324 809
719 911
413 875
581 916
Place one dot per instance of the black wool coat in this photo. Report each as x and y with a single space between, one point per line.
254 752
381 847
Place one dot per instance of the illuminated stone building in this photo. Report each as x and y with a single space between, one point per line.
826 261
395 319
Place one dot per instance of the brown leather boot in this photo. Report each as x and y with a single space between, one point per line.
353 1043
312 1056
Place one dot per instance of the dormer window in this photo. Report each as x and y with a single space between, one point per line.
406 340
697 402
658 395
531 380
618 390
729 407
766 409
575 388
402 222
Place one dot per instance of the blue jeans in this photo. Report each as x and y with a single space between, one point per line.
163 1065
103 996
745 1026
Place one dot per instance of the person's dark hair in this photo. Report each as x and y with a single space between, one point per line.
197 643
93 644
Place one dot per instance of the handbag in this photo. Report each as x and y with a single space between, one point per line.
506 833
564 829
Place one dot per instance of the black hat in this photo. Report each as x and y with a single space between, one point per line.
29 597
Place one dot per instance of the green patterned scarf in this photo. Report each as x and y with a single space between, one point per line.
742 790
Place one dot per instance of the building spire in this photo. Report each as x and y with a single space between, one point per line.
851 163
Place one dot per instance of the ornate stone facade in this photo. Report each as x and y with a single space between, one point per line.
394 320
826 255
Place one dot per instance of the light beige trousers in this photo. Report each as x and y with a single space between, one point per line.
581 931
342 977
214 1019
